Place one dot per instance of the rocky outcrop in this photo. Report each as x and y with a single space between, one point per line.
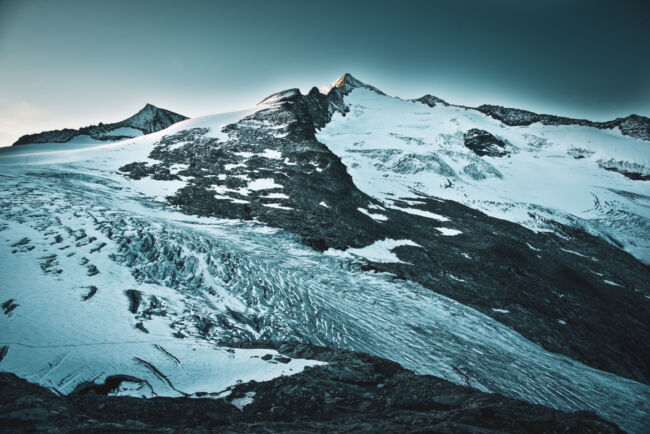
148 120
431 101
634 125
352 392
484 144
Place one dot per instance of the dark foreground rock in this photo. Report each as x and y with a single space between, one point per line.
352 393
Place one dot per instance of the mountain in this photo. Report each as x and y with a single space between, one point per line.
504 259
148 120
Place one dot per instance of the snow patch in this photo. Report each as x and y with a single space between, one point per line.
379 251
449 232
422 213
263 184
376 217
277 205
240 403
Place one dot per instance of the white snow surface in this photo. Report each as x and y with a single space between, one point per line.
379 251
395 148
124 131
449 232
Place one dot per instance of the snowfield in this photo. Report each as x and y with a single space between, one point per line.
395 148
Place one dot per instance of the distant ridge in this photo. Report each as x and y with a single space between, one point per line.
148 120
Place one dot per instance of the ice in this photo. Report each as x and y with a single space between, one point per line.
227 272
243 281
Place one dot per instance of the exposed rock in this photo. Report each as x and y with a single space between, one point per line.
483 143
634 125
432 101
353 392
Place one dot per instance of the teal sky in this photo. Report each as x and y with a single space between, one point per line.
73 63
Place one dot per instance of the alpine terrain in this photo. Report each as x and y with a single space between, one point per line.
336 260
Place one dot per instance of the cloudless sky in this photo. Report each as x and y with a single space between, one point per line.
70 63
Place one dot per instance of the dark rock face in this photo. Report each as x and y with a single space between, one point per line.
352 392
553 297
633 171
634 125
148 120
482 143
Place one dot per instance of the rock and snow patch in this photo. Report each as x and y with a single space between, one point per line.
376 217
499 310
240 403
263 184
379 251
275 196
449 232
277 206
422 213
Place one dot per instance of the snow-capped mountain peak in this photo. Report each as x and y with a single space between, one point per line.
346 83
151 119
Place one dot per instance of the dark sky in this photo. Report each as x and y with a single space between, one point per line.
72 63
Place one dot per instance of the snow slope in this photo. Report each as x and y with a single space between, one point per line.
395 148
222 280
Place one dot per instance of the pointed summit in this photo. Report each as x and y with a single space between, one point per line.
148 120
346 83
151 119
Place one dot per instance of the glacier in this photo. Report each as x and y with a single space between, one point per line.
101 276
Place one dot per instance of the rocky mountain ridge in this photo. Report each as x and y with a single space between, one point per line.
148 120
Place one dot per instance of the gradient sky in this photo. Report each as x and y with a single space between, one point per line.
74 63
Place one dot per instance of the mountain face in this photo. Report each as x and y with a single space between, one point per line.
509 259
148 120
